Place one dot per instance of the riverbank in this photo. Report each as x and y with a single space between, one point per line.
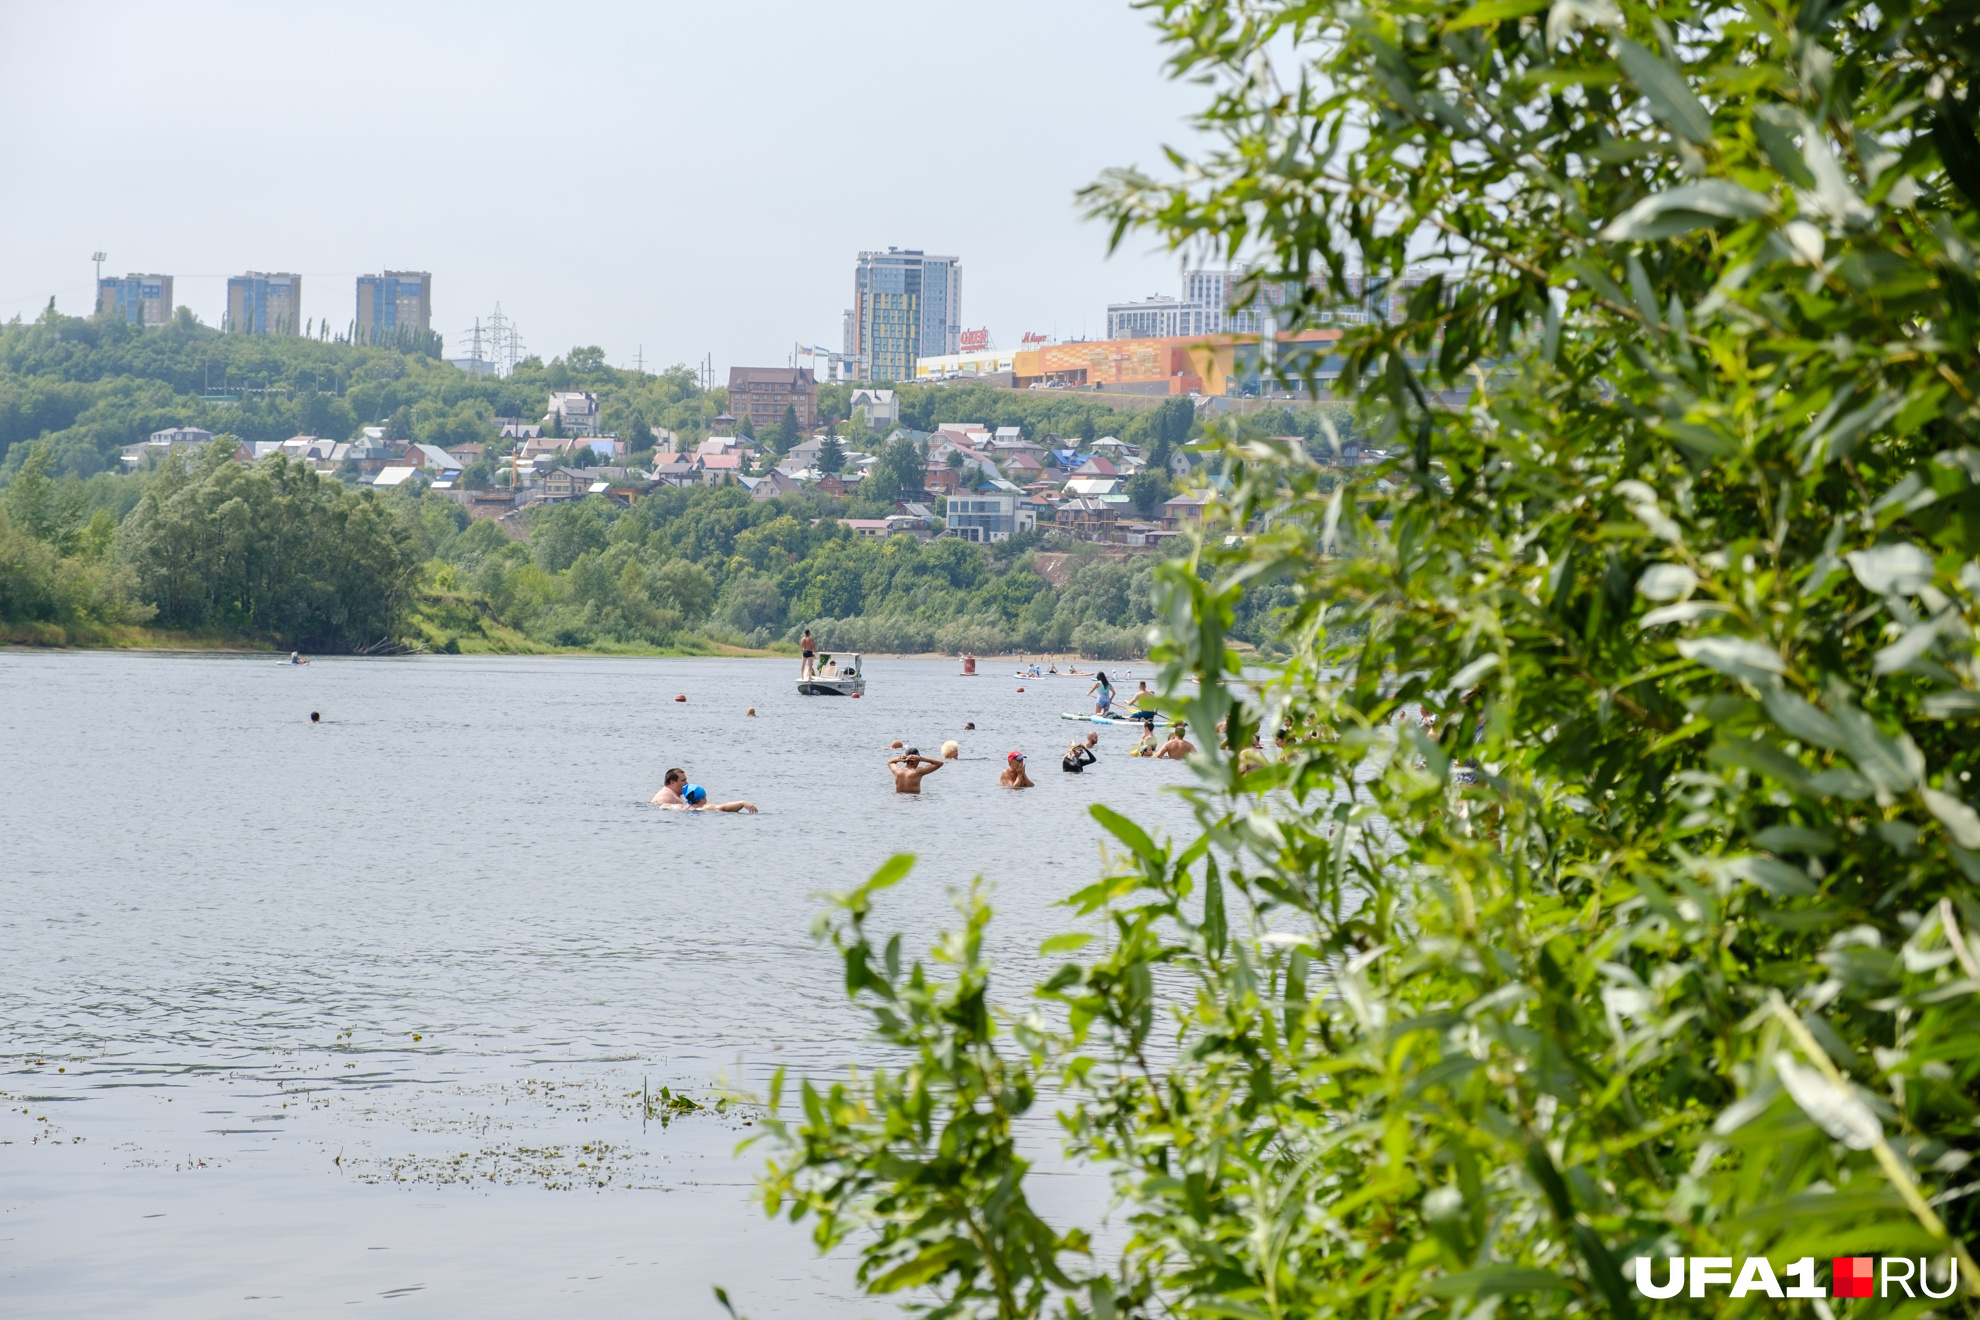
120 637
127 637
489 638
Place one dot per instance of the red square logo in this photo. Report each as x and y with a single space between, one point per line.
1854 1276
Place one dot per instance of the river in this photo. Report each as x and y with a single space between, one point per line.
296 1017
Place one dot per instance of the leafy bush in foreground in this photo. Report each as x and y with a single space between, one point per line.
1657 938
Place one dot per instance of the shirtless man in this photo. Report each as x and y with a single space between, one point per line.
910 769
677 794
1014 775
1178 747
807 669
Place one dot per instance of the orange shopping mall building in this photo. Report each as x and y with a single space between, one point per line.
1210 364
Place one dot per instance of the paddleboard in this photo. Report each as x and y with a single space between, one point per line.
1097 719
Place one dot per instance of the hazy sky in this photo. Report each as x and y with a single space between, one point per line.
686 178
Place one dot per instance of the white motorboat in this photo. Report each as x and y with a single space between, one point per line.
836 676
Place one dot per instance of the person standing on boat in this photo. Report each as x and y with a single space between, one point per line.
809 648
1104 700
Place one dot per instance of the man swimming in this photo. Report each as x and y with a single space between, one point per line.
1178 746
910 768
1013 775
677 794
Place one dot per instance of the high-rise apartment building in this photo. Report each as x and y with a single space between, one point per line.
906 305
1205 305
139 299
1203 309
259 303
395 301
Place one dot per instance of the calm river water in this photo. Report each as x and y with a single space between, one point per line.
295 1017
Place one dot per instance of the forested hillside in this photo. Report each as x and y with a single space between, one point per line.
712 562
209 548
90 386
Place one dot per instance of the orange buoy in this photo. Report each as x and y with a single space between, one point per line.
1020 689
682 698
858 695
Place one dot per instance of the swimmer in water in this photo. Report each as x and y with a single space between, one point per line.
1178 746
677 794
910 768
951 750
1014 775
1077 757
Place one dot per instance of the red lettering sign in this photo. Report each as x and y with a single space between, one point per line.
975 341
1031 338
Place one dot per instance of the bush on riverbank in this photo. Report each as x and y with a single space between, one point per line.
272 550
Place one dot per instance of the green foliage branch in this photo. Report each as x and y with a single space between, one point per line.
1608 890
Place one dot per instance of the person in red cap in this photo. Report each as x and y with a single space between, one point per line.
1014 775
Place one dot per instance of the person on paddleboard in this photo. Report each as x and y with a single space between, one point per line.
1102 693
1144 705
